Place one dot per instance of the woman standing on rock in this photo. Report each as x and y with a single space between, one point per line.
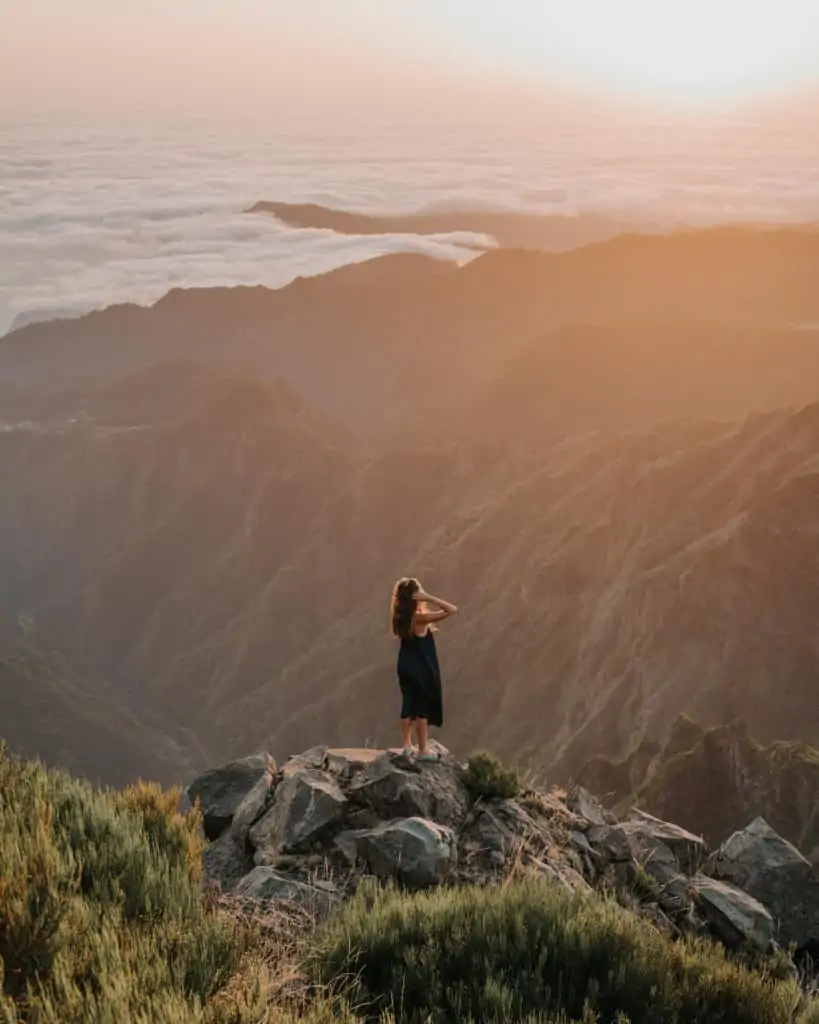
413 614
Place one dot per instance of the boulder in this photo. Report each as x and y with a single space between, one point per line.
264 884
689 850
252 808
306 803
220 791
401 788
493 833
732 915
315 757
417 852
775 873
225 862
587 807
609 843
660 864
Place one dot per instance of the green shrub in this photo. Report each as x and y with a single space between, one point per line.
502 954
485 776
101 917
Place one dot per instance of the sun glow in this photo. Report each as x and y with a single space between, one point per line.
677 48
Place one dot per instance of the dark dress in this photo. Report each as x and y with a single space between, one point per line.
419 677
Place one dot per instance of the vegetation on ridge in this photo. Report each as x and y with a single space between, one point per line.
529 949
101 915
102 920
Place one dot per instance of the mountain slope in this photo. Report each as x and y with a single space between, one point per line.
378 343
719 779
227 565
50 714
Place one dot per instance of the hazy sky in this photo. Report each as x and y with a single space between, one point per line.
175 53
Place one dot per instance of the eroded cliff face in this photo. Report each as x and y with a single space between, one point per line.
716 780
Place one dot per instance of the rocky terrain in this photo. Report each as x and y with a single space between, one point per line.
309 831
714 780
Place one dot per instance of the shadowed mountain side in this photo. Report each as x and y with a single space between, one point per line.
718 779
50 714
229 568
426 340
606 586
552 233
618 375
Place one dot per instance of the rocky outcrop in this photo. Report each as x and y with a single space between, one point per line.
221 791
328 818
735 917
415 851
714 781
773 871
307 802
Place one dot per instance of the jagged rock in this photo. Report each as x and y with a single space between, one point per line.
406 789
609 843
264 884
220 791
346 762
689 850
731 914
305 804
417 852
347 844
774 872
252 807
586 806
225 862
315 758
660 864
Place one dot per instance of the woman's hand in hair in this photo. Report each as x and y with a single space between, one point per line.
445 608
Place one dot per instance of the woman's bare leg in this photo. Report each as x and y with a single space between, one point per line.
406 733
422 728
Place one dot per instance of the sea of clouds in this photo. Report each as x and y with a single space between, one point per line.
93 214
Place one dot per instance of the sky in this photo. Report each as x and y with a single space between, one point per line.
161 54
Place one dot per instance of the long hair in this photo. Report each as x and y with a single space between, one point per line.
403 607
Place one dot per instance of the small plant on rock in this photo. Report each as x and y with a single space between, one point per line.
485 776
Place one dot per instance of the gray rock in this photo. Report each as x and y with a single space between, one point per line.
417 852
305 804
220 791
774 872
496 833
225 862
731 914
264 884
581 802
609 843
660 864
689 850
252 808
315 757
435 792
347 844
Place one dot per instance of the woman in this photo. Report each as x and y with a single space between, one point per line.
413 623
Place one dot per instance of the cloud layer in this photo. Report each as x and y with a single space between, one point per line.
93 215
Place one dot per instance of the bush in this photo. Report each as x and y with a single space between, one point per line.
505 954
485 776
101 917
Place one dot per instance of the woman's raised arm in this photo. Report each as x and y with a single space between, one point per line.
444 608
